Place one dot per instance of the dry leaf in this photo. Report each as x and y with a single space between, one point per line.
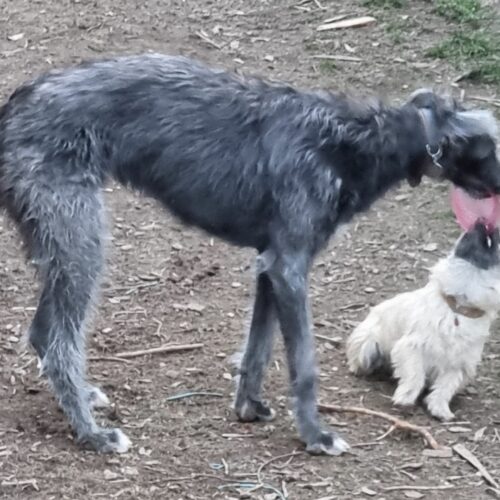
479 434
401 197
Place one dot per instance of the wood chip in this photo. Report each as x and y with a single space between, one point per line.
457 429
347 23
440 453
368 491
413 494
16 37
430 247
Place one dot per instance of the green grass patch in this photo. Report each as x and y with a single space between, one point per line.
327 67
475 43
460 11
466 45
399 28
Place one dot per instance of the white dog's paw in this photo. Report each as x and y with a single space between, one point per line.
440 410
404 397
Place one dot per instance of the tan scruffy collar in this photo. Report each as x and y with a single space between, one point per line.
467 311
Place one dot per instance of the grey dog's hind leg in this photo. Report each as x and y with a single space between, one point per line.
258 351
65 241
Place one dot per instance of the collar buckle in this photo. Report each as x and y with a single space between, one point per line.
435 156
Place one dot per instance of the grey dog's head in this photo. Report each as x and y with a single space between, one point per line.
464 142
480 247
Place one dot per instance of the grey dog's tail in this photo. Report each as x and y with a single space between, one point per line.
364 355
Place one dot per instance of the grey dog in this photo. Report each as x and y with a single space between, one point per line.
259 164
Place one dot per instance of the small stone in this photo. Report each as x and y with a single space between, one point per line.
110 475
430 247
413 494
130 471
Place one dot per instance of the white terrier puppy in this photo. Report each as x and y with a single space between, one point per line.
434 336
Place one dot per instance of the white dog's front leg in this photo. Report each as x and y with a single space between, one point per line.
409 369
443 389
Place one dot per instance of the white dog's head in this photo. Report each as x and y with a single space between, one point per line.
471 272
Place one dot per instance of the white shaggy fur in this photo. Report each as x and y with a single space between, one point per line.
425 343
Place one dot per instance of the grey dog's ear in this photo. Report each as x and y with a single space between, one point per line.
423 98
427 98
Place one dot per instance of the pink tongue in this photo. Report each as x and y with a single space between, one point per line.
469 210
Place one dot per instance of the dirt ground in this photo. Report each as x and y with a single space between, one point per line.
169 284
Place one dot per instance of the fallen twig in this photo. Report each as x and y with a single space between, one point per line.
21 482
489 100
466 454
108 358
279 457
158 350
332 340
203 36
184 395
396 422
337 57
419 488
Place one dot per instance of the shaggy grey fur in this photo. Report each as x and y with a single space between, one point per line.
258 164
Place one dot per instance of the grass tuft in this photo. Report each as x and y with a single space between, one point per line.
460 11
475 42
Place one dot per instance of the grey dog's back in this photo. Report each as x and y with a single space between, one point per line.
203 141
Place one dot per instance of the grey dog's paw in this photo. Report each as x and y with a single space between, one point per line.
250 411
327 443
106 441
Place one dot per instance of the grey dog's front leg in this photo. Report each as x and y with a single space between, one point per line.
289 279
258 350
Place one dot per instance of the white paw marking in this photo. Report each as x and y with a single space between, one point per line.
123 444
99 399
340 446
39 365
